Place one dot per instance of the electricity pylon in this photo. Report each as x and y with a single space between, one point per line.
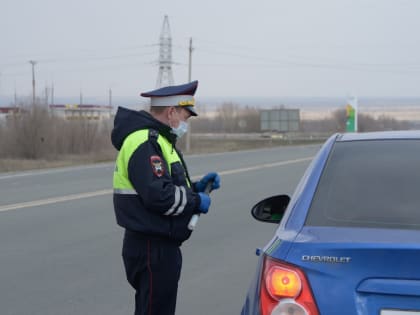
165 76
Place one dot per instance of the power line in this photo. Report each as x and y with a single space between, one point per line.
83 59
306 63
81 56
404 67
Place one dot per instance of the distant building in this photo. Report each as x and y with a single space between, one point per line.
8 111
82 112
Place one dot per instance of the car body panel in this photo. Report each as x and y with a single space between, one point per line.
341 263
380 135
351 270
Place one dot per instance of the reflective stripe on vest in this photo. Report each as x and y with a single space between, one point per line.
125 191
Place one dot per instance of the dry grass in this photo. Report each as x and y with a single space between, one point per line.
37 139
13 165
198 146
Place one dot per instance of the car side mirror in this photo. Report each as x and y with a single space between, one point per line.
271 209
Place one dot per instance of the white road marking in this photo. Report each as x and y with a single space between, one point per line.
48 201
54 170
97 193
260 166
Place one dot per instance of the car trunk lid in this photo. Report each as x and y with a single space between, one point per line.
361 271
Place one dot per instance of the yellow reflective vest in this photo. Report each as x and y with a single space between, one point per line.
153 194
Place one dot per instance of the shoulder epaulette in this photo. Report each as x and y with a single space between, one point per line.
153 134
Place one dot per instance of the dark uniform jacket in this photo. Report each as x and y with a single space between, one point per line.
152 196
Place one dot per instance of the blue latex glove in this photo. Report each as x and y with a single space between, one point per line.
201 185
205 202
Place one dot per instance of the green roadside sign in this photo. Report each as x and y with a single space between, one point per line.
351 118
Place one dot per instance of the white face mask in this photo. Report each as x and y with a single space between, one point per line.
180 130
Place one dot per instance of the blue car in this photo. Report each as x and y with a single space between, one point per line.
349 238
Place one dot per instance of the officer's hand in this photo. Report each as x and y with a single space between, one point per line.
205 202
200 186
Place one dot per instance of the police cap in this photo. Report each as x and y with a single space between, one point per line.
175 95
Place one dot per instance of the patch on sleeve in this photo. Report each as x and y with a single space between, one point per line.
157 165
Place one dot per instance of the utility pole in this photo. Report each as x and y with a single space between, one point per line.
46 94
81 97
190 60
15 96
188 139
52 93
33 63
110 97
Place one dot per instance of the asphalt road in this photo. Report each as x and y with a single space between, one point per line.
60 248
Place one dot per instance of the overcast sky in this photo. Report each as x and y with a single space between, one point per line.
241 48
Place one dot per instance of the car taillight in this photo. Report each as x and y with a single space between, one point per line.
281 282
285 290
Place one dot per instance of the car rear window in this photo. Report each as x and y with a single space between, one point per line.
369 184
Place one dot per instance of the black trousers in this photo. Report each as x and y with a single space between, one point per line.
153 268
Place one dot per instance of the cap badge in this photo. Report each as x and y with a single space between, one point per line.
187 103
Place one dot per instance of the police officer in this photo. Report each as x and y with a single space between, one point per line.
154 198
